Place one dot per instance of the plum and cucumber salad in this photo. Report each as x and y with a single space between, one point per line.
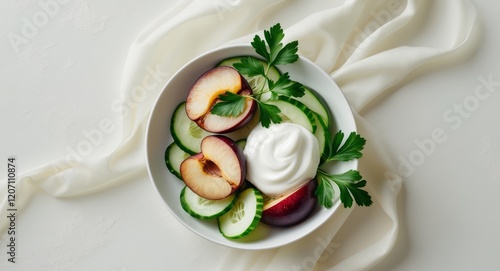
249 144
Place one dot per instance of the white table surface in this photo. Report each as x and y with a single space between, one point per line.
448 206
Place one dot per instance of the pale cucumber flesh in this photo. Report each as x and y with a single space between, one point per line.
243 216
202 208
186 133
174 156
296 112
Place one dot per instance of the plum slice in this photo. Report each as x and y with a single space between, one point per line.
292 208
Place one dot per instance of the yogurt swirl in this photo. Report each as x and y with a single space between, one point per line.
281 158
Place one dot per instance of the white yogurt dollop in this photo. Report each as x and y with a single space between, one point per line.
281 158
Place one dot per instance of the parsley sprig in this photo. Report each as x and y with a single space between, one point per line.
274 53
350 183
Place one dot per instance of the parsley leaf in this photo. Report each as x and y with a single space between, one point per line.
350 150
349 184
250 67
268 113
288 54
260 47
273 38
286 87
324 192
277 53
230 104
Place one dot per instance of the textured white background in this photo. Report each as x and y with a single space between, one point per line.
57 87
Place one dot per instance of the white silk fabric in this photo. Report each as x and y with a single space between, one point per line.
368 47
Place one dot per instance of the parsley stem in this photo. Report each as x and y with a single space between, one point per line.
262 84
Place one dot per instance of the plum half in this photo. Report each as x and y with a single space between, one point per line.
217 171
205 93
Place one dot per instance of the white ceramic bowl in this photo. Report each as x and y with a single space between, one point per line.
168 186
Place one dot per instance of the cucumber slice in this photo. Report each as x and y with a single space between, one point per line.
202 208
186 133
314 102
244 131
243 216
174 156
323 136
257 83
294 111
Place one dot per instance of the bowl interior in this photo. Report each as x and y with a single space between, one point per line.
158 138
